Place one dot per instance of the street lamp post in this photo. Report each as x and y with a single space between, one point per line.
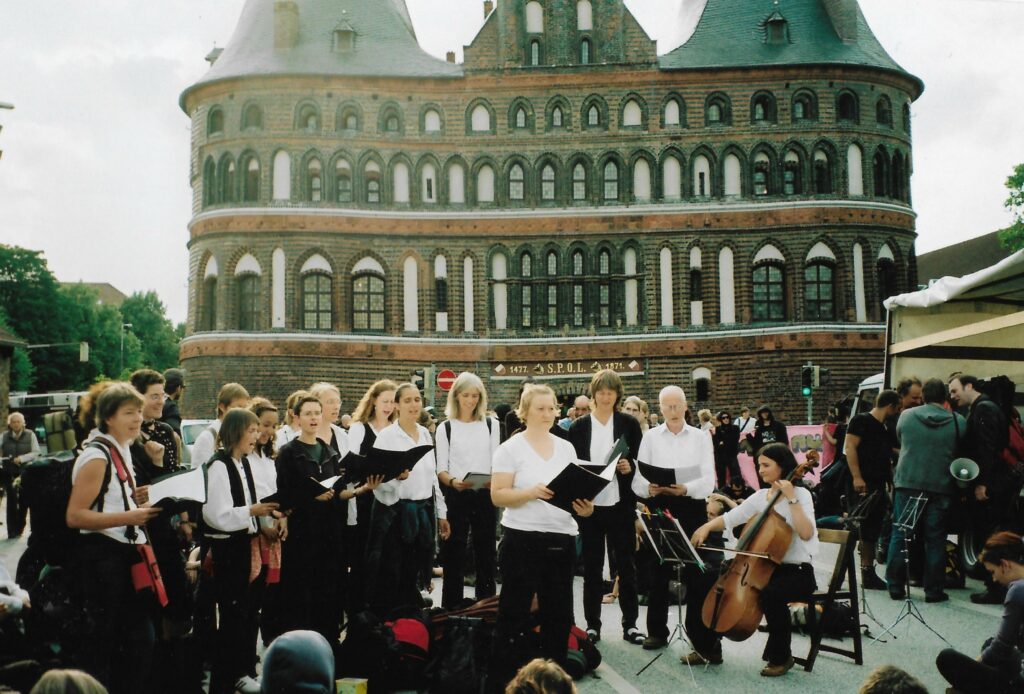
124 326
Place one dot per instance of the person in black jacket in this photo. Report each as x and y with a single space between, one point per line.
613 519
174 388
986 438
767 430
727 443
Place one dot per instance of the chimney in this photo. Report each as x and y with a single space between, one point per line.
488 8
450 56
843 14
286 25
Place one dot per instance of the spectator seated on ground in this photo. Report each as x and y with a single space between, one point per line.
68 682
541 676
889 679
298 662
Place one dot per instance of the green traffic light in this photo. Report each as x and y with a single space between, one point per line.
807 391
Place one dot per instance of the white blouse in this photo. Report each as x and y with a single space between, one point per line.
113 501
422 481
219 511
528 470
473 450
800 551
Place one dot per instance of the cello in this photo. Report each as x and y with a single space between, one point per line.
732 607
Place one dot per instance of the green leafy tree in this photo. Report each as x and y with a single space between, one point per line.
23 373
1013 236
154 331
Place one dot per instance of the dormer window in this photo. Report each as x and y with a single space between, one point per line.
344 38
776 30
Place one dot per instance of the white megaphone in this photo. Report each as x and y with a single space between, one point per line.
964 471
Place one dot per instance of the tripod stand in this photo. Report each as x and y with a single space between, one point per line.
853 522
907 522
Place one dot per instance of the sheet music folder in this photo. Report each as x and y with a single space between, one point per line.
584 480
667 476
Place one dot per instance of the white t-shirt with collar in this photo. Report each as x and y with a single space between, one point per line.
691 449
474 447
528 469
422 481
602 438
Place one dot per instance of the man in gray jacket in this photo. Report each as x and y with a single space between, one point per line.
929 436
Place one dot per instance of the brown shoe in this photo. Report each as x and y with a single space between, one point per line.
695 658
770 670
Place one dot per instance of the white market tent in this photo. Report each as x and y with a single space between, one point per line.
972 324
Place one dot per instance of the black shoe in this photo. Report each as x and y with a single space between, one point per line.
653 643
593 635
897 595
634 636
938 597
870 580
987 597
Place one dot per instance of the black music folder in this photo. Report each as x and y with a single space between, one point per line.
619 450
576 482
378 461
667 476
306 490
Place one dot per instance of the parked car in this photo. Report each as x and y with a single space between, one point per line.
190 431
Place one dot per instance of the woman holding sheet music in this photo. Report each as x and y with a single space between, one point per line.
466 442
400 546
688 452
231 513
538 548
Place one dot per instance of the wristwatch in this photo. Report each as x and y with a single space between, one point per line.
793 501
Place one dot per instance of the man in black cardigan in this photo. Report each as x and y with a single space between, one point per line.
593 437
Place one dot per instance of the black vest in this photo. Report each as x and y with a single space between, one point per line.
237 494
15 447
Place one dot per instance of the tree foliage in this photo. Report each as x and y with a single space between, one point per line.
1013 236
156 334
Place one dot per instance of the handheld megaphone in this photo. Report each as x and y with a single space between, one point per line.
964 471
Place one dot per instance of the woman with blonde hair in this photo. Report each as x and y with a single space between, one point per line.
638 410
291 428
68 682
466 443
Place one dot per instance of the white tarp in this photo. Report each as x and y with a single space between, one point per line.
1003 281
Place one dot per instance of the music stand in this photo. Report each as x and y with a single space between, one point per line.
908 523
855 517
672 546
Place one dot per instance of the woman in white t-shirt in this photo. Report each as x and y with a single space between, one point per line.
466 443
793 579
117 643
538 547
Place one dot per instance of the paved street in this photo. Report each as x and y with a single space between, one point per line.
964 624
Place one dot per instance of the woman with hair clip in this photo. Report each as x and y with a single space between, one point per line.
231 513
400 546
538 547
1000 667
118 638
793 579
375 411
466 442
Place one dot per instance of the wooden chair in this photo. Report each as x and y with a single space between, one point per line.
845 567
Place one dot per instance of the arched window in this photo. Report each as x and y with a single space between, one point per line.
431 121
762 108
898 186
349 119
880 169
248 301
526 291
480 119
209 183
251 186
547 183
551 290
578 303
208 315
822 173
579 182
887 285
371 176
584 16
228 186
516 184
632 114
593 116
308 118
883 111
391 121
701 384
534 17
665 282
535 52
847 108
611 181
726 287
696 286
632 287
281 176
762 174
499 273
410 295
215 122
314 181
317 313
456 184
252 117
367 302
792 174
702 176
428 183
585 52
641 180
672 178
717 110
731 171
855 170
343 181
672 113
400 183
906 118
604 289
485 184
556 117
520 118
819 292
769 297
804 107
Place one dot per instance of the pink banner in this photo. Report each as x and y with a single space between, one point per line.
802 438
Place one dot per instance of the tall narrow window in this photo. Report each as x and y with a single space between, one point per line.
485 184
516 187
584 16
314 181
209 312
215 125
251 189
209 183
819 299
252 117
585 52
579 182
534 17
769 302
880 167
611 181
604 289
480 119
578 307
551 290
432 121
672 112
367 303
822 173
846 107
701 176
456 184
762 174
547 183
248 301
632 114
534 53
428 184
316 302
526 290
227 182
887 287
373 191
556 117
792 180
593 116
521 118
343 181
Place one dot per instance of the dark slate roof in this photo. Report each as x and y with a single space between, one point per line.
731 33
961 258
385 46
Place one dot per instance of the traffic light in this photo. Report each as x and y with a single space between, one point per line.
807 380
417 379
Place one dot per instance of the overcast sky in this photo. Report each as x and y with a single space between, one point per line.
95 155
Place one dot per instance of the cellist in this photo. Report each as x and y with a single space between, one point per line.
793 580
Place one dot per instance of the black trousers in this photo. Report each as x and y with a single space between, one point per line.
727 463
470 515
118 638
396 557
789 583
532 563
614 524
235 652
15 510
969 676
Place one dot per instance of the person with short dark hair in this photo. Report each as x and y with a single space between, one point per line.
726 438
1000 667
230 396
869 448
767 430
174 387
889 679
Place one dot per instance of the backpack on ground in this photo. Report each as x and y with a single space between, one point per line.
60 432
462 654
